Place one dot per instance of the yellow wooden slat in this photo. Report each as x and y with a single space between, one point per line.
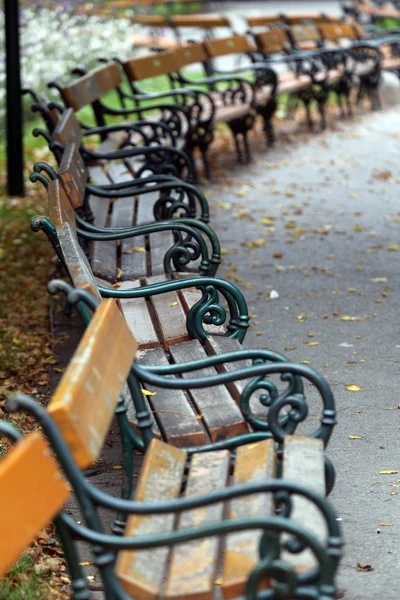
32 490
84 402
141 573
192 572
254 462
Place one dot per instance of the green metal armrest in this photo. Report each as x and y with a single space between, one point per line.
206 311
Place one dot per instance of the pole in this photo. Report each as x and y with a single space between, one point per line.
15 160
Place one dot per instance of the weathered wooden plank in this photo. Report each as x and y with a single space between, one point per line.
33 490
221 414
193 565
141 572
104 259
170 315
76 261
137 316
133 258
85 399
103 254
254 462
218 344
303 462
160 243
177 418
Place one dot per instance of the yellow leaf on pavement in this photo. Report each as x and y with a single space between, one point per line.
353 387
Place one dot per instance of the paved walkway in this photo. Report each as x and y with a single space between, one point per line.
333 251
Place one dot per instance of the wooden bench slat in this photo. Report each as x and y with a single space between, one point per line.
170 315
103 254
192 571
141 572
78 265
33 490
219 344
303 462
85 399
160 243
178 421
254 462
219 410
137 316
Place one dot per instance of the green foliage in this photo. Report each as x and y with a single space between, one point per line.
23 583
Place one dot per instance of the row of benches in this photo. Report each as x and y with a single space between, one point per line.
191 105
217 423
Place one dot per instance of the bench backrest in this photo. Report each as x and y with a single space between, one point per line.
90 87
303 33
263 20
84 402
68 129
188 55
33 490
205 21
150 20
229 45
62 215
275 40
336 31
313 18
155 65
73 174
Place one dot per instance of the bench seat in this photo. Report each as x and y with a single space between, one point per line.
201 568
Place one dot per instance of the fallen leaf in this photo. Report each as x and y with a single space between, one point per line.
139 249
174 304
379 280
305 362
353 387
224 251
388 472
117 467
364 568
348 318
385 524
393 248
147 393
354 437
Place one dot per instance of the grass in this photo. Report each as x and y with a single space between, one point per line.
23 582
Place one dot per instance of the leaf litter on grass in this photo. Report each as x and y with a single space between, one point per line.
25 359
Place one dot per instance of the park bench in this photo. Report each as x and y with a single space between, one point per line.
233 97
201 520
188 120
258 23
175 317
351 34
152 182
130 221
343 69
124 149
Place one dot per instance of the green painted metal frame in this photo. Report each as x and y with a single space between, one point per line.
318 583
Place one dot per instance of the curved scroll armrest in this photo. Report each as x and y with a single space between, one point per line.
175 195
207 311
185 248
278 424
